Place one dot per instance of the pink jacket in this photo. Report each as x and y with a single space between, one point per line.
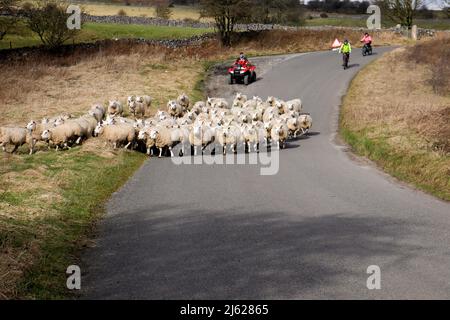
366 39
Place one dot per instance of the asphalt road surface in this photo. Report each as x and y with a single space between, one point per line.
308 232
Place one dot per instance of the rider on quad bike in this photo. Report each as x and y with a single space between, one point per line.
367 48
345 49
242 71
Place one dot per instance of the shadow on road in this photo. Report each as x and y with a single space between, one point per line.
168 252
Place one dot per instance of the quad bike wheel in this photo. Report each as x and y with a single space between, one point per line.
246 79
253 76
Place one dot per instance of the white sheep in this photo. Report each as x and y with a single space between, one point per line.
174 109
116 134
15 136
146 100
137 108
279 134
183 101
305 121
198 106
251 137
217 103
162 139
200 136
115 108
63 134
294 105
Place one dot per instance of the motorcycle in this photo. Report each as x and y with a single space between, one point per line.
366 50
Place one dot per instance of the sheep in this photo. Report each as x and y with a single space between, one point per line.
115 108
270 114
200 136
251 137
146 100
198 106
305 122
174 109
294 105
279 134
281 106
294 126
161 115
97 113
117 133
183 101
180 135
137 108
88 122
63 134
217 103
271 101
252 103
143 135
239 100
162 139
16 136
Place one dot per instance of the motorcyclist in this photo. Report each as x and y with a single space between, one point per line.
345 49
367 40
242 57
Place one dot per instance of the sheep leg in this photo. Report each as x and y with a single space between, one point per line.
3 147
67 146
148 151
256 147
195 150
115 145
78 140
171 152
57 147
224 149
126 147
15 148
278 145
160 152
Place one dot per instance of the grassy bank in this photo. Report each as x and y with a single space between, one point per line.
397 113
49 202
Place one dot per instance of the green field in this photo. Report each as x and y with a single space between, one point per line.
22 37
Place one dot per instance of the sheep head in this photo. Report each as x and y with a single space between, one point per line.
46 135
31 125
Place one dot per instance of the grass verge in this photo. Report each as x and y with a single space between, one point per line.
49 203
400 121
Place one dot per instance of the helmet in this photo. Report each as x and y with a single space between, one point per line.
345 40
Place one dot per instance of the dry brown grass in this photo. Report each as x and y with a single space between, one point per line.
393 115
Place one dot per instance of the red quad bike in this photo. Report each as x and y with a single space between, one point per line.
242 71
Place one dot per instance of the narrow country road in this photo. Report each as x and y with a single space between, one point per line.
308 232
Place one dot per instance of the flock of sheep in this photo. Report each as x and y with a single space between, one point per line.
245 123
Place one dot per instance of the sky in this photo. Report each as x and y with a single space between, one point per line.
431 4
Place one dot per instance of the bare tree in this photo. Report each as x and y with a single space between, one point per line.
226 14
9 19
400 11
48 18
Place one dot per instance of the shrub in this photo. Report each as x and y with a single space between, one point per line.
323 15
121 13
